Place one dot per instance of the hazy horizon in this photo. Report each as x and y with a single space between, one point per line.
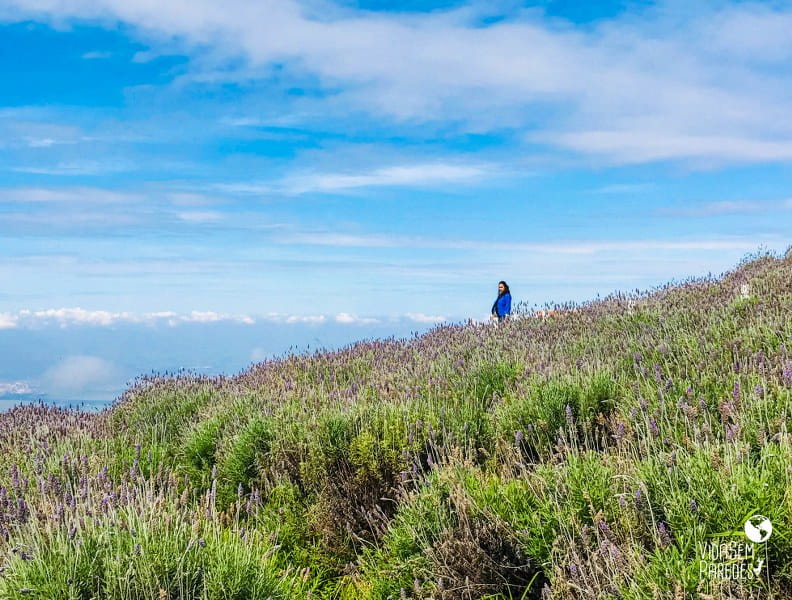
251 176
72 357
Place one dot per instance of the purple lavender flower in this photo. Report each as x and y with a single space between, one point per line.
693 506
759 389
22 509
518 437
653 427
569 417
665 534
726 410
619 433
786 373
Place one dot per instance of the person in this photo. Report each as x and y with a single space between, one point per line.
501 308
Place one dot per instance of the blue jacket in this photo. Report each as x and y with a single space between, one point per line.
502 305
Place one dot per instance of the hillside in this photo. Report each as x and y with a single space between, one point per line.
590 454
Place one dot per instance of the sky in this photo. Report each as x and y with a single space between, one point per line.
205 184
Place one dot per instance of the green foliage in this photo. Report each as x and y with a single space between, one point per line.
238 464
492 379
148 557
200 445
590 451
557 406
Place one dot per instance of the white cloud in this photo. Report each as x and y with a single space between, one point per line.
80 375
198 217
78 168
144 56
422 318
165 314
415 175
701 81
74 317
406 175
15 388
41 142
69 196
96 55
314 319
34 128
258 354
192 200
7 321
349 319
623 188
323 238
714 209
213 317
558 247
642 146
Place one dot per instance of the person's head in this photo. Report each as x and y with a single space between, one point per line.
503 287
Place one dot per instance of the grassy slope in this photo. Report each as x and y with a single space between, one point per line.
584 455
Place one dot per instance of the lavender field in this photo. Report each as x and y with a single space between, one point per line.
589 454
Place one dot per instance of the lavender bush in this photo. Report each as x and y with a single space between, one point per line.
582 455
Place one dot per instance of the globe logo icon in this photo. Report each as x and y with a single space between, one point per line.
758 529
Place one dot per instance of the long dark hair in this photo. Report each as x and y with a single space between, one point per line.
506 289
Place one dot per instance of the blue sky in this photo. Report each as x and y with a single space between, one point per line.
309 170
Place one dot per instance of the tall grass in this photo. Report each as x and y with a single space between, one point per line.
585 455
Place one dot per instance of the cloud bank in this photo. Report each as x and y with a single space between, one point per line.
86 376
77 317
704 83
15 388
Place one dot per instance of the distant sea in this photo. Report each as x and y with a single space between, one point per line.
88 367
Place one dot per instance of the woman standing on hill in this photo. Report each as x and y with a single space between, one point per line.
501 308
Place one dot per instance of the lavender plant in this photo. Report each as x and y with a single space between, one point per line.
587 454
